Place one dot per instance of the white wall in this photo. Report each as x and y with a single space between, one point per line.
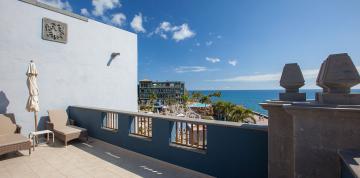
75 73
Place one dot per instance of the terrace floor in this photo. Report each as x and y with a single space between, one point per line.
94 158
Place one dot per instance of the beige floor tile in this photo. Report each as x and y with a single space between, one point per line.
53 174
78 173
21 171
4 173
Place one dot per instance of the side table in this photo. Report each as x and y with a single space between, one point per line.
34 135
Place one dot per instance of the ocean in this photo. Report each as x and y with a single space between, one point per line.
252 98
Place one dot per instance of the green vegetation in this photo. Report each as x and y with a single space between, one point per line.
221 110
195 96
185 98
230 112
204 99
215 94
241 114
152 98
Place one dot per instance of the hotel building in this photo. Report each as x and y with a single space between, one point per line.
164 91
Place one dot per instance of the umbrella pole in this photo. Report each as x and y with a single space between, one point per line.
35 115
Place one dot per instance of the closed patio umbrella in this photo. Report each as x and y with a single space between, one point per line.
32 104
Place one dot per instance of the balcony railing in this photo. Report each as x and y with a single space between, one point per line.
142 126
190 134
110 121
217 148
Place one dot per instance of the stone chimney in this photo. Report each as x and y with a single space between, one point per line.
292 79
336 76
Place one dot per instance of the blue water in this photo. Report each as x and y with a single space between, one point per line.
252 98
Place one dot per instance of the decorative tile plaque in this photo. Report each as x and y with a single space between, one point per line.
53 30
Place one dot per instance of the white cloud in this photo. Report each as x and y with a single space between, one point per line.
209 43
178 32
308 74
163 28
232 62
166 26
84 12
118 19
100 6
183 33
185 69
137 24
213 59
162 35
58 4
250 78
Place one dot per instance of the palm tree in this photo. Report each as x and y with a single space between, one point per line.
152 99
228 107
195 96
216 94
205 100
185 98
222 109
241 114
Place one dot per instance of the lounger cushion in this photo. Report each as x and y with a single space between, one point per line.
7 124
59 118
70 129
12 139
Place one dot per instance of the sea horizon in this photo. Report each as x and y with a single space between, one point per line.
251 98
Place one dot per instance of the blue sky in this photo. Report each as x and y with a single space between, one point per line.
230 44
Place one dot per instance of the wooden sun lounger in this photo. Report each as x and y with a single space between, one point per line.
10 138
63 127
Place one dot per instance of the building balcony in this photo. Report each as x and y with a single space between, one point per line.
215 148
131 144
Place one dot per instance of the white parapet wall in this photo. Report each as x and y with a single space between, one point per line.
74 73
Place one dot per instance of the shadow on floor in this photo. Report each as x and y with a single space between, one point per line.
11 155
133 163
136 163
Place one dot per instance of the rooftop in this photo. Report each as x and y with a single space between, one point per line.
94 158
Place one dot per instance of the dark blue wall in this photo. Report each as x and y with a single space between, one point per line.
345 171
231 151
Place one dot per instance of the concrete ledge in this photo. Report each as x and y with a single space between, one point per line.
181 119
196 150
149 139
310 104
61 11
339 98
344 108
110 130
